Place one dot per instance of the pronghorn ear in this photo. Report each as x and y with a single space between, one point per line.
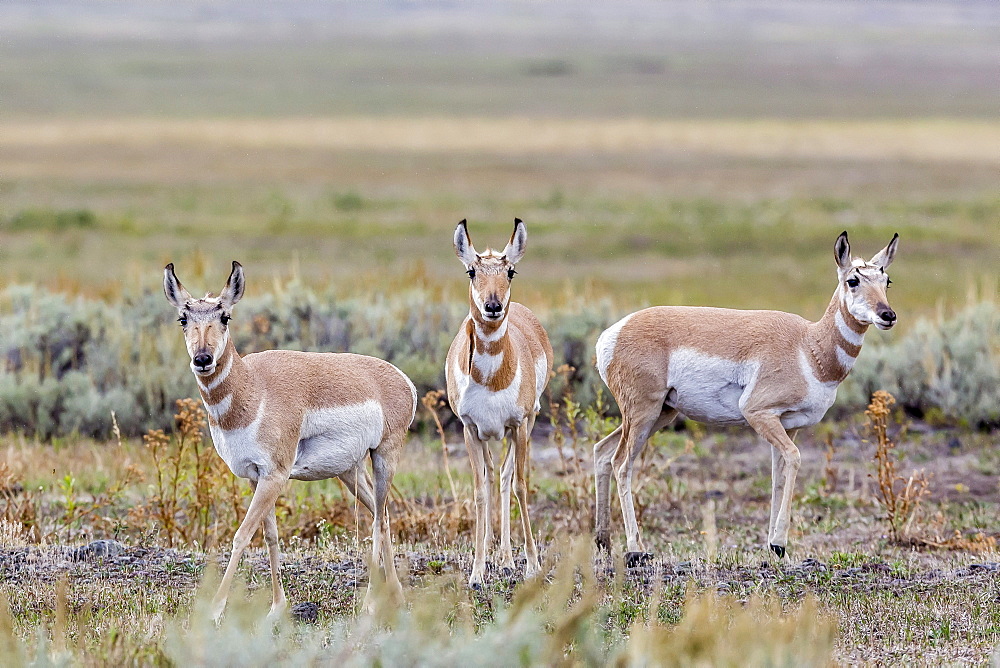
842 251
464 249
172 288
235 286
518 242
884 257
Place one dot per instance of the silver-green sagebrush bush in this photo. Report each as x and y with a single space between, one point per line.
944 369
68 362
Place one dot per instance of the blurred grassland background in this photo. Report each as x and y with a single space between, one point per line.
678 152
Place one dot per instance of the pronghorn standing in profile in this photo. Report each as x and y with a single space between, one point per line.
497 367
773 371
284 414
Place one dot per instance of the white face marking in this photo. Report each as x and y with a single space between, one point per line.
710 389
855 299
849 334
334 440
606 346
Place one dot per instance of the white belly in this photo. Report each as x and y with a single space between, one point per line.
709 389
490 413
241 450
335 440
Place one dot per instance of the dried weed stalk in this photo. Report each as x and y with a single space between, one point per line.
900 497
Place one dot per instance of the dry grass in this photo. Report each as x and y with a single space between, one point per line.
918 140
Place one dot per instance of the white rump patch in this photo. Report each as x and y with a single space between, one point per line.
334 440
606 343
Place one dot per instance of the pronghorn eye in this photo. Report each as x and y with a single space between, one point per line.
853 282
510 274
471 273
183 321
225 319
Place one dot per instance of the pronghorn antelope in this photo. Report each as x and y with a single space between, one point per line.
773 371
284 414
497 367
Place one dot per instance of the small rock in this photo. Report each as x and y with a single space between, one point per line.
99 549
306 613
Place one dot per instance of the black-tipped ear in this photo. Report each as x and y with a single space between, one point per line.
518 242
842 251
235 286
172 288
884 257
464 249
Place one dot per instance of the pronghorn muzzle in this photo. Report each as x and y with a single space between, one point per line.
203 363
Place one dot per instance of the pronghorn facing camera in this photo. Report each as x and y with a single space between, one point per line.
284 414
497 367
773 371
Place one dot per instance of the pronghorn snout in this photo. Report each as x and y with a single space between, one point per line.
493 308
203 362
886 315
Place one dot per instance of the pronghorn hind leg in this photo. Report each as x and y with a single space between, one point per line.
265 494
360 485
522 451
278 600
384 459
506 476
769 427
604 454
636 431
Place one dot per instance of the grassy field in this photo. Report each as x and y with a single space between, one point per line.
685 153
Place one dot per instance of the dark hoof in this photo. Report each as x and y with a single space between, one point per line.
603 543
633 559
778 550
477 586
507 572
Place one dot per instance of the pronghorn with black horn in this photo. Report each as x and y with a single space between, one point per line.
773 371
497 368
284 414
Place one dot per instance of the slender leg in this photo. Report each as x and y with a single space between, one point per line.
769 426
384 460
522 449
635 434
360 484
278 601
506 476
491 512
604 454
261 506
482 494
777 486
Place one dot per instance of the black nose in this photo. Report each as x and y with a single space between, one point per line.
888 315
493 306
202 360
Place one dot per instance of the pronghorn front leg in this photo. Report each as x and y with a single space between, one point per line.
506 477
278 601
261 508
784 471
477 457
